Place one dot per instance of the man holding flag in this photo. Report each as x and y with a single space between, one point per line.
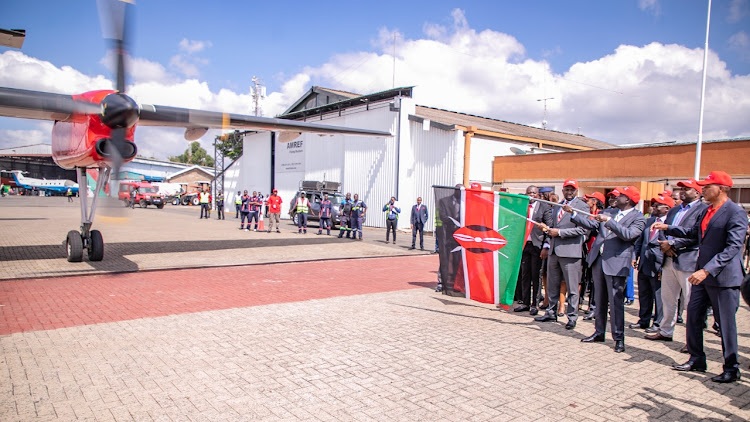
564 255
531 260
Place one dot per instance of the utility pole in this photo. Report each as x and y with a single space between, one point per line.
258 94
544 118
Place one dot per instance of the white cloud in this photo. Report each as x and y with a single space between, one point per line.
650 6
740 42
19 137
738 9
193 46
187 63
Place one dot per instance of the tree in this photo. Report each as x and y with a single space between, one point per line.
194 154
230 144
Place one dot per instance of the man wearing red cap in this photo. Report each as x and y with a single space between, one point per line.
596 202
615 246
531 259
274 210
648 262
680 256
720 231
564 254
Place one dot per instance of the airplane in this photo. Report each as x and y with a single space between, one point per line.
52 185
96 129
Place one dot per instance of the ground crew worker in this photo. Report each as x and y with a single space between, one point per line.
204 200
133 194
345 215
325 215
302 207
220 206
391 218
69 193
245 211
237 204
358 216
274 210
256 203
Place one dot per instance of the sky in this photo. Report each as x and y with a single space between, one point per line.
622 72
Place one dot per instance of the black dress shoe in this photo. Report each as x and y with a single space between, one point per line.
533 311
619 346
546 317
594 338
690 366
637 326
652 329
628 302
521 308
680 320
684 349
570 325
543 306
657 336
589 316
412 248
727 376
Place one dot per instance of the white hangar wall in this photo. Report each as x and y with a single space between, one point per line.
250 172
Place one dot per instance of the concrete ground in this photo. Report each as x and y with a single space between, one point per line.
330 340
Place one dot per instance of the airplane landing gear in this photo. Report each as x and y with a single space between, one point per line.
88 239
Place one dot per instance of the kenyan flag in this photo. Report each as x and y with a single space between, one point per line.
481 236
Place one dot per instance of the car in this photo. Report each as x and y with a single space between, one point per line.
146 195
314 192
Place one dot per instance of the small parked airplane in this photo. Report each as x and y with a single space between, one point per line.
53 185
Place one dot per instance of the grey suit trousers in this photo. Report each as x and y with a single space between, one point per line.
569 271
610 295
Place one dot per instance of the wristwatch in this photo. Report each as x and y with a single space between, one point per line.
671 242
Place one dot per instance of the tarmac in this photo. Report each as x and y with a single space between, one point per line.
189 319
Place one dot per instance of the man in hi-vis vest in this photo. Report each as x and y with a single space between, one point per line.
205 200
303 207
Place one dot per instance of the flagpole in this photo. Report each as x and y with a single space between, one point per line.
555 204
703 95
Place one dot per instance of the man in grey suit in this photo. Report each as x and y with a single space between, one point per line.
680 256
564 255
615 245
531 258
418 220
648 261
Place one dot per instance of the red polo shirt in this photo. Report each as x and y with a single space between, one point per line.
709 214
274 204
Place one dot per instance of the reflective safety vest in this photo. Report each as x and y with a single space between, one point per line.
302 205
203 196
238 200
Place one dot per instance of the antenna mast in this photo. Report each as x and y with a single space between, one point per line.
544 118
258 94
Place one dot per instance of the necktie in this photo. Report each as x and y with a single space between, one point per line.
560 214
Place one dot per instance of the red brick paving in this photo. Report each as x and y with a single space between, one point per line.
44 304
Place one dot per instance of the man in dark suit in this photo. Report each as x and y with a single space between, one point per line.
531 259
720 230
680 256
648 261
614 248
564 255
418 220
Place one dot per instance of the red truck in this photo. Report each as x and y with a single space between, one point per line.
146 195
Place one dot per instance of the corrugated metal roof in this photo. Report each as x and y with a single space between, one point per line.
501 126
37 150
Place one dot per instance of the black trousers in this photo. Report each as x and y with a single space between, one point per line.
610 294
725 301
418 227
649 297
390 225
204 210
531 267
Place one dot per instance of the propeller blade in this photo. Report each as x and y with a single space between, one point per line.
118 141
42 105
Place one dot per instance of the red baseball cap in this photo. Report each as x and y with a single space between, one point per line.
716 178
664 199
476 186
631 192
275 190
690 183
666 192
570 182
614 192
597 195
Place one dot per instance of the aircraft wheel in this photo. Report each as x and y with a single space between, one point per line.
74 246
96 246
142 203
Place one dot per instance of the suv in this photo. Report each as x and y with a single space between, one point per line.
147 194
314 192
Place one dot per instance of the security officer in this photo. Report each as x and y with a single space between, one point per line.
220 206
302 208
345 215
205 200
237 204
391 211
359 208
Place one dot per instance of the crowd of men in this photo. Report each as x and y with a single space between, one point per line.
689 244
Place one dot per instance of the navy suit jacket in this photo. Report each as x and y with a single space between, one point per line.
720 246
618 239
647 250
419 216
687 249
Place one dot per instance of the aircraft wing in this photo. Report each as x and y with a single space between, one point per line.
156 115
42 105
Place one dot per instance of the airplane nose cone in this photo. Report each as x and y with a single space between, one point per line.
119 111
